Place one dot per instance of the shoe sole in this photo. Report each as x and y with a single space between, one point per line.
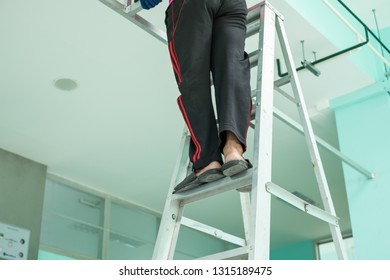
234 167
191 181
188 186
211 176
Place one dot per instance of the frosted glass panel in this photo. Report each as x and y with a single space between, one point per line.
132 233
71 236
73 203
122 248
133 223
72 221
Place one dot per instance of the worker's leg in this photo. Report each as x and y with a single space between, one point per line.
231 75
189 29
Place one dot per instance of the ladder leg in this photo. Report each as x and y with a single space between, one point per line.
260 219
310 138
173 210
169 230
245 207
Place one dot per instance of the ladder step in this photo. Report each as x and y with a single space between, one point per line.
282 81
253 27
302 204
212 231
239 181
240 253
254 13
253 21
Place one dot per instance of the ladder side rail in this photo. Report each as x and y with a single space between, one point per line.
260 219
310 139
170 221
149 28
130 12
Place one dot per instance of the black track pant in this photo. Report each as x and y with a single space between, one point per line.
209 36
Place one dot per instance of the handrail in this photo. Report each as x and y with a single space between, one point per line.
367 31
365 26
326 57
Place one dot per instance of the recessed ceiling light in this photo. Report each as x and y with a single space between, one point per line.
65 84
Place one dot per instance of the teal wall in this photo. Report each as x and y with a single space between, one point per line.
44 255
298 251
363 124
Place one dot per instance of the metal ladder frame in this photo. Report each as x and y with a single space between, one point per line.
264 20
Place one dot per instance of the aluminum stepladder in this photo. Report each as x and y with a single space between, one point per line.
264 20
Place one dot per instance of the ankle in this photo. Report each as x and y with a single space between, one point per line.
233 149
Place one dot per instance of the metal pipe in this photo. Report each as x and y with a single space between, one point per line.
379 36
280 74
367 29
362 23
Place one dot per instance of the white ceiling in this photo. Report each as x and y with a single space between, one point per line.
118 132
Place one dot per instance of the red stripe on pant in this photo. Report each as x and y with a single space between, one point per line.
198 149
175 62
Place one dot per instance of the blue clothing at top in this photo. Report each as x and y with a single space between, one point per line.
148 4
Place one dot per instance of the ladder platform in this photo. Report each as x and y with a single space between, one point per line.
244 181
239 181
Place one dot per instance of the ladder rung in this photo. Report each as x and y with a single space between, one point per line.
252 28
301 204
240 253
285 94
254 13
282 81
253 58
212 231
242 180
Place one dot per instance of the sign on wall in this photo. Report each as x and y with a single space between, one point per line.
14 242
